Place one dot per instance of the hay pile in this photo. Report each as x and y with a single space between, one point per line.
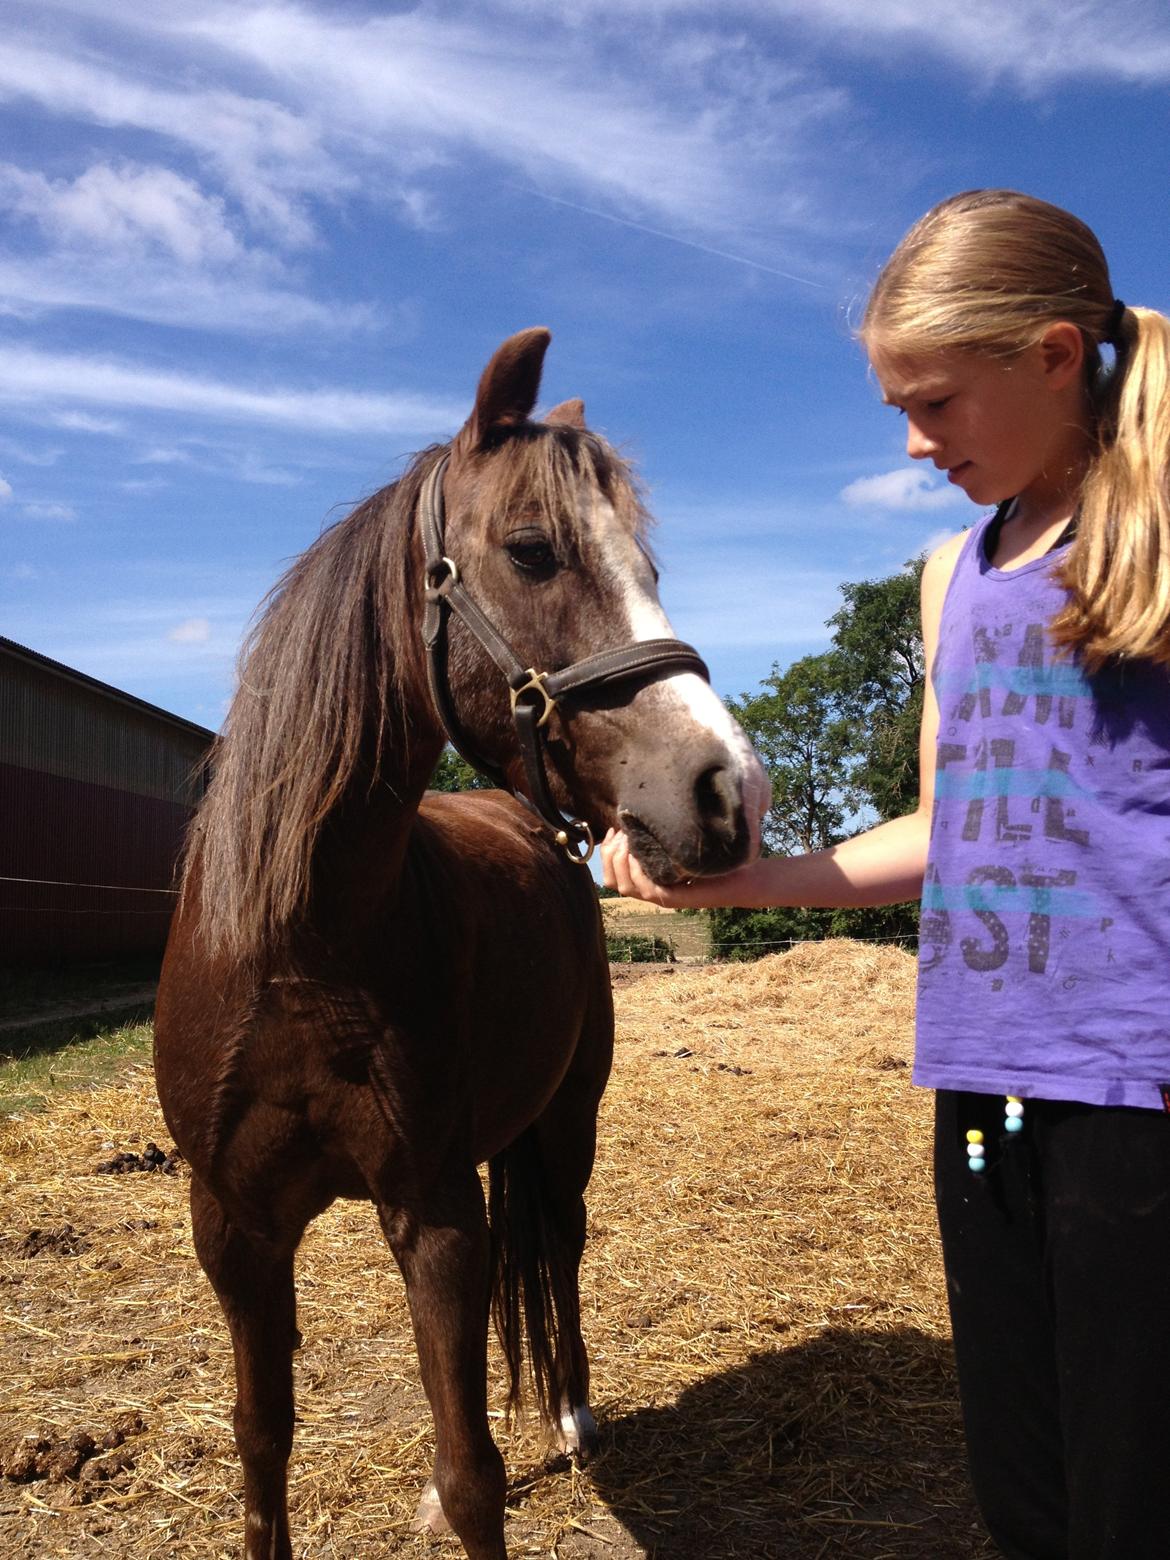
761 1291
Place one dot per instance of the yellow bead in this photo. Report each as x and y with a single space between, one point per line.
1012 1099
974 1136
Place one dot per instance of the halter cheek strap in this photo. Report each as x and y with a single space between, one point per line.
534 694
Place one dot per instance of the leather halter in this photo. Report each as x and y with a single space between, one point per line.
534 694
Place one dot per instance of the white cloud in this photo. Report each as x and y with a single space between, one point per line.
266 155
1033 41
144 485
5 491
28 377
48 511
157 289
425 84
908 488
85 422
163 455
48 456
333 106
192 631
22 571
125 208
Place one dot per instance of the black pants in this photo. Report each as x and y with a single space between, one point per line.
1058 1276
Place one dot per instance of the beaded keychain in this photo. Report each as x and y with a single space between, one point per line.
1013 1121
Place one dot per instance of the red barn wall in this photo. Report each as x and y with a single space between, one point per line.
96 789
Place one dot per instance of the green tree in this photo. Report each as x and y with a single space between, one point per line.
877 635
838 733
797 727
454 773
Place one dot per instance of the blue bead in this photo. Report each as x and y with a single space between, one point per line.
977 1164
1013 1124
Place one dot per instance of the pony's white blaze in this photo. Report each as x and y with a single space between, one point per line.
628 571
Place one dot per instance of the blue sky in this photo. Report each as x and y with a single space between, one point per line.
253 255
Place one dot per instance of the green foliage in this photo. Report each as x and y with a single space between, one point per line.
635 948
838 733
453 773
878 637
750 934
797 726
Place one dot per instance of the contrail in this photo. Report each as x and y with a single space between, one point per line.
671 238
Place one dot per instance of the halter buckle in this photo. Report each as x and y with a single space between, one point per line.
535 684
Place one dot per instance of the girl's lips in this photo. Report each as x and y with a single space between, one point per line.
955 472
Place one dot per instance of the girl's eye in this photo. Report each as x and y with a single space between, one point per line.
531 551
937 406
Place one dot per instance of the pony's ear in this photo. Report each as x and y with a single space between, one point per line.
570 414
508 387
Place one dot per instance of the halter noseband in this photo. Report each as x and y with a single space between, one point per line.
534 694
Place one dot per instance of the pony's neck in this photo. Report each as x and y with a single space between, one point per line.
363 845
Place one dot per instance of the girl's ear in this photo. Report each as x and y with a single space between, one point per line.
1062 355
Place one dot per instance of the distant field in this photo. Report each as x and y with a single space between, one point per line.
630 917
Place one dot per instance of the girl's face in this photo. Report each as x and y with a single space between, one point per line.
999 428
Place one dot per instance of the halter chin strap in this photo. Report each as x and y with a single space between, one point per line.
534 694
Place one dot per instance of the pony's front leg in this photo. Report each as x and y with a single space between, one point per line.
443 1250
254 1283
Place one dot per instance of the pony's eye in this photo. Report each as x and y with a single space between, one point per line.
531 551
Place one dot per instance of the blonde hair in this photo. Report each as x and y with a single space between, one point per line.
989 271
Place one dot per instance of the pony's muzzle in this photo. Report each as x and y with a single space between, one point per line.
690 822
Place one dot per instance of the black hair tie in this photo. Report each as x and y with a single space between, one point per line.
1112 332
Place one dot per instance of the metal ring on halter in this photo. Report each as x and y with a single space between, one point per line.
452 571
566 844
535 684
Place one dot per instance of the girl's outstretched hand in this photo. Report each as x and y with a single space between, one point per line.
622 870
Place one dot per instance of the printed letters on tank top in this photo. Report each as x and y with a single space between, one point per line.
1045 933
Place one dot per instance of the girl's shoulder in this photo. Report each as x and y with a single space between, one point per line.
939 569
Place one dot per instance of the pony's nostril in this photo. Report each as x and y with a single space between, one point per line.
717 800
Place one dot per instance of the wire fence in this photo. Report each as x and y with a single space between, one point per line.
117 888
631 955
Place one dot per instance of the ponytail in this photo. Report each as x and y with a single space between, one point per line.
1118 571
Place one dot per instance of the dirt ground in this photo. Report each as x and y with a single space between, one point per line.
762 1299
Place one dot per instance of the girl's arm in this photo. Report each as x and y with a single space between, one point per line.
883 866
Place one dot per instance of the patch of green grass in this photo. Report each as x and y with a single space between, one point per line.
95 1051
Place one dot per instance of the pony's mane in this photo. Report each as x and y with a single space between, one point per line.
323 671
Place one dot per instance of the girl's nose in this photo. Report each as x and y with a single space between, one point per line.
918 445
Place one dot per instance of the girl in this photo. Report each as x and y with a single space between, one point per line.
1041 849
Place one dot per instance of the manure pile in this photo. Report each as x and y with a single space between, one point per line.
761 1291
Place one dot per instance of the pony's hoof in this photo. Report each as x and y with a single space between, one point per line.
577 1433
429 1516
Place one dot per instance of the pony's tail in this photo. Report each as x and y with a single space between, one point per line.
534 1289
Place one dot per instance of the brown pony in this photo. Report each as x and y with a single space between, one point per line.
368 992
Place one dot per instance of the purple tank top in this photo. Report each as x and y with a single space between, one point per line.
1044 948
